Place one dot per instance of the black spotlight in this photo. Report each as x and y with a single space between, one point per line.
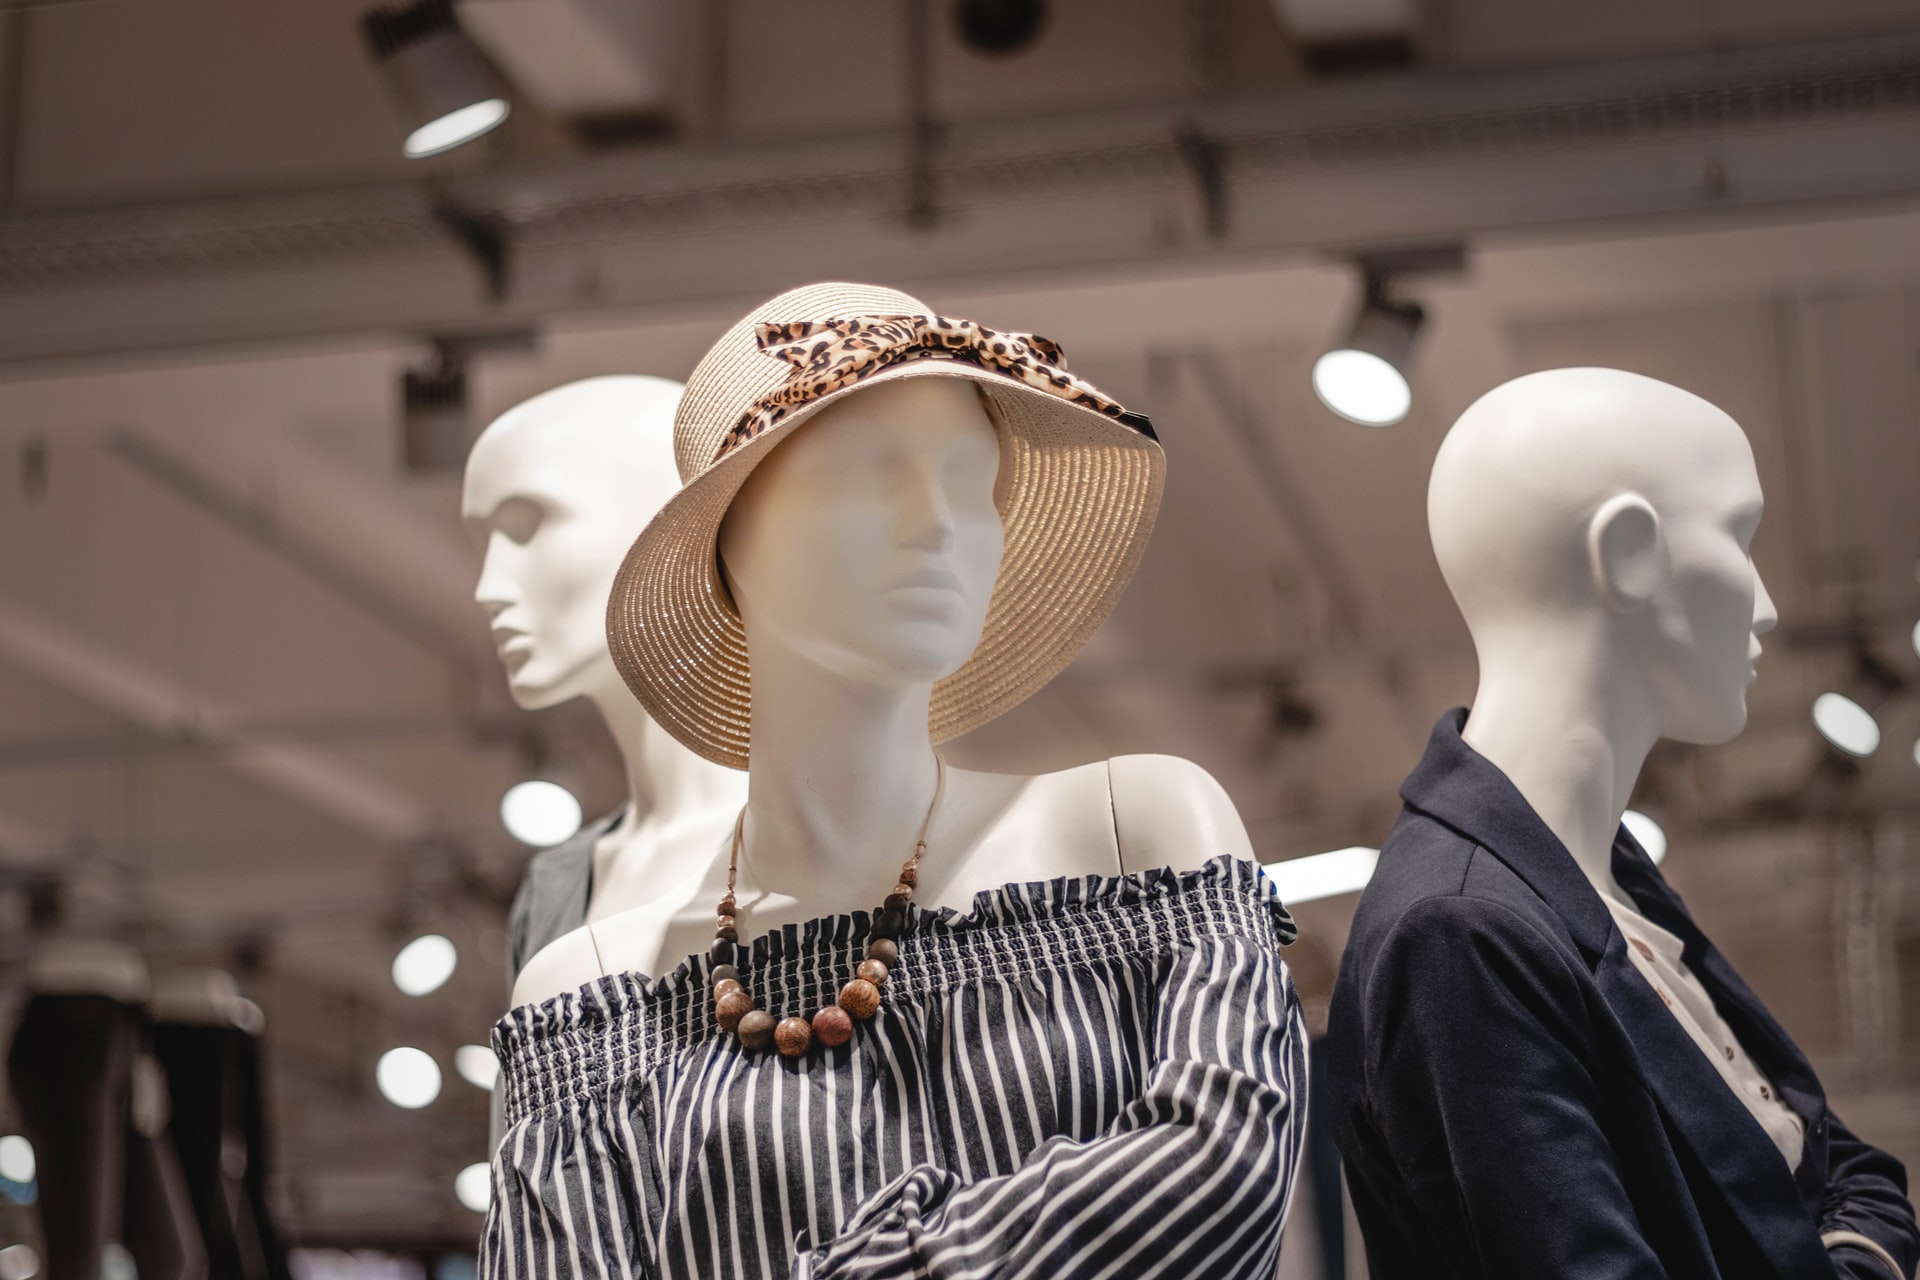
1000 26
444 90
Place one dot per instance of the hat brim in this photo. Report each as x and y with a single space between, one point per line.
1080 494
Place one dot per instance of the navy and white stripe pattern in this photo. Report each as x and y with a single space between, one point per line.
1079 1079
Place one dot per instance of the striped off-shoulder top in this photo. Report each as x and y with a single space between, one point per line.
1078 1078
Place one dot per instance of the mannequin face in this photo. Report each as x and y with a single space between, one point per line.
1698 631
556 490
1598 521
868 542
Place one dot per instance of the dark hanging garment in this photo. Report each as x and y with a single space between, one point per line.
213 1078
93 1103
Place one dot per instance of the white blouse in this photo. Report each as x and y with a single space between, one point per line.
1656 954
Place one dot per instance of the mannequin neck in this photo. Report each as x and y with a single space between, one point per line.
666 783
841 779
1567 720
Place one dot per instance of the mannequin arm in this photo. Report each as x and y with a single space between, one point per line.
1867 1196
1478 1069
1194 1176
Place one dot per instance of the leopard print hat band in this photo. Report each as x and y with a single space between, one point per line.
831 355
1081 482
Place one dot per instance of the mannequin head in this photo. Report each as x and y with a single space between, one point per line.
867 545
1600 522
556 490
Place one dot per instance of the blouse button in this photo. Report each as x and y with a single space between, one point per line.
1729 1053
1766 1093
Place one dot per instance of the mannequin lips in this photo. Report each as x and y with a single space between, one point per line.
929 578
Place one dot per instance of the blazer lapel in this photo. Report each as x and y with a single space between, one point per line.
1461 788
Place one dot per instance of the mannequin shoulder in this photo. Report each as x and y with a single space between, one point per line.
1169 812
568 962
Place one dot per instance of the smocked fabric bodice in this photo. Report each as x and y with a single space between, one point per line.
1088 1075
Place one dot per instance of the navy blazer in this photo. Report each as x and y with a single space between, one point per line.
1513 1099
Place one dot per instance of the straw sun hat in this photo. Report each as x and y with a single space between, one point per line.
1081 479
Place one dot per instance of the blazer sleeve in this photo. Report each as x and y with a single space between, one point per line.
1477 1038
1867 1193
1192 1178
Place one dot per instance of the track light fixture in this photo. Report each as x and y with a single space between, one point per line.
446 93
1364 378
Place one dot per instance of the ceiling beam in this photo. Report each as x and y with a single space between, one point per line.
162 704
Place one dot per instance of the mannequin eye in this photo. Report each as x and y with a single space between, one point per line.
518 519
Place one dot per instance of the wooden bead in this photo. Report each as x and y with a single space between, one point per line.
885 950
726 907
756 1029
792 1036
860 998
730 1009
889 923
873 971
725 985
832 1026
723 973
898 899
724 927
905 890
724 951
910 876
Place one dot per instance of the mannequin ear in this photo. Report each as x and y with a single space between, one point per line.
1627 552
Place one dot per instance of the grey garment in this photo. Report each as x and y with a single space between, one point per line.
551 902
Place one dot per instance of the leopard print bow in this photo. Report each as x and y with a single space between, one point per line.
829 355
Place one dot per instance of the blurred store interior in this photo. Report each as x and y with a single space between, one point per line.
251 720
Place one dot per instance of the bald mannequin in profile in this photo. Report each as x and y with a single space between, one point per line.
1539 1065
556 490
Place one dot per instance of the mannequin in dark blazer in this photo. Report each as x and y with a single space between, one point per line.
1514 1094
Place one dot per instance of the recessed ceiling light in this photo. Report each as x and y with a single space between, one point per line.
476 1065
1647 832
473 1187
540 813
424 965
408 1077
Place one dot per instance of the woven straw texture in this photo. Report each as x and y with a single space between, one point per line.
1080 495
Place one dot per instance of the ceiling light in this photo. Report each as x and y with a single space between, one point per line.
1364 379
1647 832
1846 724
1323 875
408 1077
444 90
1362 387
424 965
1916 639
1916 750
473 1187
476 1065
540 813
16 1159
19 1262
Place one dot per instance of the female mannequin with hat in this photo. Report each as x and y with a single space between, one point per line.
943 1021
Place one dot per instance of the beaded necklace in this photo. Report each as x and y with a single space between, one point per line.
832 1025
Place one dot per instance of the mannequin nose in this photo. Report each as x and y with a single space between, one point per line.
1765 616
494 591
926 522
